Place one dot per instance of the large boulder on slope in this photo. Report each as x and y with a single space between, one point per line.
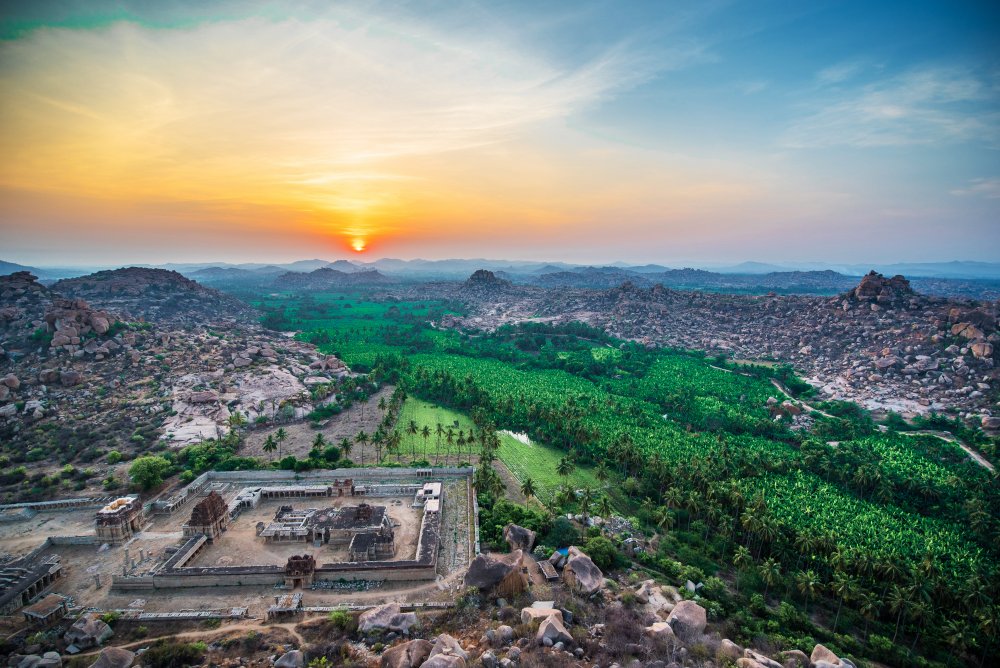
519 538
688 619
488 570
407 655
552 629
581 574
386 618
446 644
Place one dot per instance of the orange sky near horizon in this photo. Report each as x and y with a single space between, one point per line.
244 132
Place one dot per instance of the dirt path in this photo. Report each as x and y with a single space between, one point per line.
951 438
784 390
943 435
249 625
510 482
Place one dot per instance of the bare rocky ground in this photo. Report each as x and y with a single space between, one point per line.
79 379
359 416
881 344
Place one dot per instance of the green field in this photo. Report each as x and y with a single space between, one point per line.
434 448
539 463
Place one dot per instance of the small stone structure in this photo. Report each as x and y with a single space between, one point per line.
371 546
119 520
209 517
46 612
430 491
300 570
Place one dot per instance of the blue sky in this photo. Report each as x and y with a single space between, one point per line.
646 131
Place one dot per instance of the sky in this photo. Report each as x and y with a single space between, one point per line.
667 131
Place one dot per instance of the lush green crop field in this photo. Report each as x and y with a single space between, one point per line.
539 462
805 503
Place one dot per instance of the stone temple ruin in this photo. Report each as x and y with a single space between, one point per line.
364 528
119 520
374 525
209 517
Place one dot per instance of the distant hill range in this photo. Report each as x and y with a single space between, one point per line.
326 278
980 280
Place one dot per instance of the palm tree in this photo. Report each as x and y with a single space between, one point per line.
956 635
439 430
605 507
319 442
664 517
565 467
770 572
528 488
602 473
381 404
899 602
425 433
362 438
449 437
236 420
412 429
392 444
279 437
869 606
269 445
585 501
843 586
808 583
742 560
346 446
988 617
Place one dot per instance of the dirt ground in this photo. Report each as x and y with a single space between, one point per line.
22 536
301 434
240 546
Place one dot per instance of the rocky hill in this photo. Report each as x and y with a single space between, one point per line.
157 295
78 381
326 278
879 343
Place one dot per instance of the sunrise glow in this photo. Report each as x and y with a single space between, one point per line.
596 134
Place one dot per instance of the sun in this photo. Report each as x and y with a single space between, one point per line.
358 245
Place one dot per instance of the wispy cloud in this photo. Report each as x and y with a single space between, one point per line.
921 107
838 73
328 108
988 188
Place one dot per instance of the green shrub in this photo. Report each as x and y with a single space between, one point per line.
341 619
601 551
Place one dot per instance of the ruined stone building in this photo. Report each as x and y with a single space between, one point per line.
210 517
119 520
333 526
23 579
371 546
300 570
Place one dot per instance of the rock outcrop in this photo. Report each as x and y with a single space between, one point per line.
386 618
410 654
519 538
688 619
581 574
